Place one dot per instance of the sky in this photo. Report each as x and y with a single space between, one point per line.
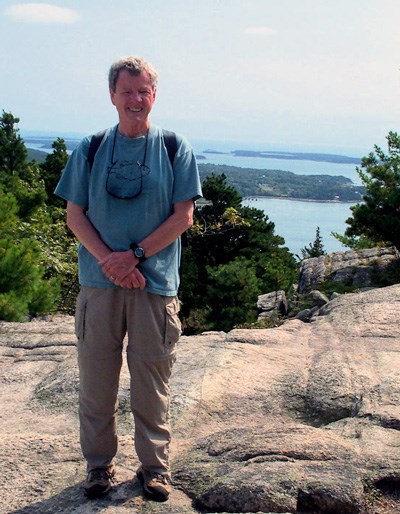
293 74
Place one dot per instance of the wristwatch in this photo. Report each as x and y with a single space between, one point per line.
138 252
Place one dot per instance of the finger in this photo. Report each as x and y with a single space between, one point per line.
141 281
106 269
135 283
113 273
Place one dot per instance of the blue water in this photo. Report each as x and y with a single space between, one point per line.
299 167
297 222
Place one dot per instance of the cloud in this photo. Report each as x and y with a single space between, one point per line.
41 13
260 31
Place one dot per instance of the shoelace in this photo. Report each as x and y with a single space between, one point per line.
100 474
160 478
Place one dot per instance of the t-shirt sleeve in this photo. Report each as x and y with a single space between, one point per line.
187 184
73 185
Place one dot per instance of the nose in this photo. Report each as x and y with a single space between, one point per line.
136 96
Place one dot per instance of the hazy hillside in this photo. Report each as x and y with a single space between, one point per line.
37 155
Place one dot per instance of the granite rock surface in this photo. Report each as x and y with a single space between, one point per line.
303 418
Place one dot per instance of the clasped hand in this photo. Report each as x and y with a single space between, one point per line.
120 268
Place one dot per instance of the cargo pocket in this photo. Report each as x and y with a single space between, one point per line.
173 326
80 317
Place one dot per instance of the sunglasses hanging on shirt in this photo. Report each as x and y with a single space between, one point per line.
125 178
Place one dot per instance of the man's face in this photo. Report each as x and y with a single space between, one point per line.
133 98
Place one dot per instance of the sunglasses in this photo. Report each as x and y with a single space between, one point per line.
125 178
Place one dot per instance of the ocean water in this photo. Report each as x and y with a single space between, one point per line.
297 222
300 167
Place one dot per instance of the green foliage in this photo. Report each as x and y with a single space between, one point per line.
51 170
8 213
377 219
355 242
315 249
58 251
12 149
16 175
232 292
23 290
262 323
230 255
28 284
220 195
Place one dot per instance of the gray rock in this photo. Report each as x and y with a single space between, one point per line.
318 298
272 305
307 314
358 268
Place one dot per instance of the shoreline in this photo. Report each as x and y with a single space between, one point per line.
249 198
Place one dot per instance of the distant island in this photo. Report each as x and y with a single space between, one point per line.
298 156
250 182
45 143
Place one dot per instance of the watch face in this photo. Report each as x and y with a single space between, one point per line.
139 252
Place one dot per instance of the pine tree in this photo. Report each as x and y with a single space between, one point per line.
13 153
376 221
26 288
18 176
23 290
51 170
315 249
232 292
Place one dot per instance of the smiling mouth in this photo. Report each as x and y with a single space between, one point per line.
134 110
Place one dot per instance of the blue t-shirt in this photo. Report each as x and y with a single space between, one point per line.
121 222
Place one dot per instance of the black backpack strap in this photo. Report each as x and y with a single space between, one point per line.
170 142
95 142
171 145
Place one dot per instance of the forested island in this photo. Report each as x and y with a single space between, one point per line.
297 156
285 184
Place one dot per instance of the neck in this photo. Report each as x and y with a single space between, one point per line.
134 130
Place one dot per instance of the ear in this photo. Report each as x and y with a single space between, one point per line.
112 95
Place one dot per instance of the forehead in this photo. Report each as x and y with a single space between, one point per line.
127 79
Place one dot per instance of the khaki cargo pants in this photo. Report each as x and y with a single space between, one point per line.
103 318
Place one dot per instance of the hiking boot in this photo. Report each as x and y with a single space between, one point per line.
98 482
155 485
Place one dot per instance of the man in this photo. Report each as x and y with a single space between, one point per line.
128 211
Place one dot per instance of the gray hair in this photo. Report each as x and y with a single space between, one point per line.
133 65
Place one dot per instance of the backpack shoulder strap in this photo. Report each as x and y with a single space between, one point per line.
95 142
170 141
171 144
